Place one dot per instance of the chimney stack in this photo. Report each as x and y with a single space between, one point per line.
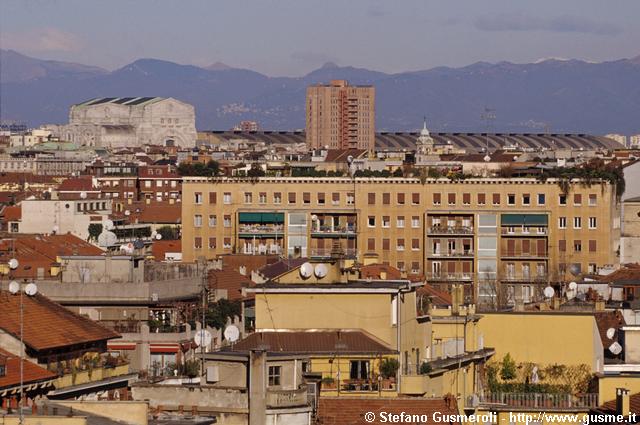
623 404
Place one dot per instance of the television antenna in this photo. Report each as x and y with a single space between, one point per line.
488 116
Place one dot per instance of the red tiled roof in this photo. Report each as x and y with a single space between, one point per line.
341 155
375 271
77 184
32 373
438 297
274 270
606 320
610 407
351 410
231 280
161 247
53 246
628 273
324 341
48 325
158 213
11 213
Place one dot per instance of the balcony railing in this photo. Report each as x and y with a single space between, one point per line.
452 253
334 230
262 249
444 276
536 400
258 229
326 252
521 254
519 231
450 230
540 278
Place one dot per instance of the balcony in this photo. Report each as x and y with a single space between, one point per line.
524 231
523 255
452 253
271 249
450 230
539 278
326 252
334 231
260 231
535 400
448 277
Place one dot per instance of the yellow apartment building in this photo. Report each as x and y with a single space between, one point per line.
502 238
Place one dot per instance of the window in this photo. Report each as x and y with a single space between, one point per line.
197 197
577 246
466 199
592 245
593 268
212 243
306 198
385 244
292 197
400 244
400 265
335 198
451 198
577 222
371 198
415 244
227 221
197 220
372 221
386 198
359 369
415 267
386 221
511 199
213 198
197 242
248 197
562 245
371 244
415 222
496 199
482 198
562 199
577 199
542 198
277 198
437 199
526 199
274 375
415 198
562 222
262 197
147 183
226 198
321 199
351 198
227 243
400 222
593 222
400 198
213 220
593 200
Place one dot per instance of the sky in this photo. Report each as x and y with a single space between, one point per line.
294 37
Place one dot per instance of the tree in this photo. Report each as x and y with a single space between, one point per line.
398 172
221 311
256 171
168 233
94 231
389 367
211 168
508 368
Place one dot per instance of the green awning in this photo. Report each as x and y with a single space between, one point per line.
261 218
524 220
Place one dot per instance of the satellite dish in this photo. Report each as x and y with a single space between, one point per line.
127 213
314 217
14 287
138 244
158 236
202 337
320 271
231 333
108 224
549 292
13 264
107 239
31 289
611 332
574 269
350 159
306 270
487 158
83 195
615 348
573 286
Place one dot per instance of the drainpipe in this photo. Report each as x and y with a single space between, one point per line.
398 341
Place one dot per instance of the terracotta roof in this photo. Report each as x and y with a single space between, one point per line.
77 184
610 407
158 213
231 280
274 270
48 325
630 273
376 271
19 178
341 155
351 410
606 320
11 213
161 247
438 297
32 373
53 246
323 341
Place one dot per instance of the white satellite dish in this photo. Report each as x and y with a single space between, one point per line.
14 287
108 225
320 271
611 332
487 158
549 292
231 333
202 338
31 289
127 213
158 236
349 159
107 239
83 195
306 270
615 348
573 286
13 264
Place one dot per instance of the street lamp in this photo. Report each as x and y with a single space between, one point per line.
30 289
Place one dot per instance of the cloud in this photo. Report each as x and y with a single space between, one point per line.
565 23
43 40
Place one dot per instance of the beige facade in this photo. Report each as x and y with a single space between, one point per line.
525 232
630 238
340 116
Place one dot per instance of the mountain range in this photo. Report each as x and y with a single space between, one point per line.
553 95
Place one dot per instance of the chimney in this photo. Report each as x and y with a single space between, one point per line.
623 404
599 305
556 303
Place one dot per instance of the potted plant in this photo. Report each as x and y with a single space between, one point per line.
328 383
388 369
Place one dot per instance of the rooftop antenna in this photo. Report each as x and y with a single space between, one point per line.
488 116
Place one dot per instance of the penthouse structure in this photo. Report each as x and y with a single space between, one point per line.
522 232
340 116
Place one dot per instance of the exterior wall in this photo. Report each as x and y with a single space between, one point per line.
384 242
107 269
630 238
44 420
544 338
131 412
607 386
